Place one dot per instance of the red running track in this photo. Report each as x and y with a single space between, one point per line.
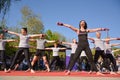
55 73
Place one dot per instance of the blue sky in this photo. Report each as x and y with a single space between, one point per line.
97 13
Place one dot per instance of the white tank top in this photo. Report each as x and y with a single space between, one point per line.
55 51
73 47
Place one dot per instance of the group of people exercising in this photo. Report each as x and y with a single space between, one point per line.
103 48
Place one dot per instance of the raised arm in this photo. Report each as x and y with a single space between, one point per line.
68 26
35 35
98 29
62 48
110 39
91 38
67 43
14 33
48 49
11 40
115 44
50 41
32 40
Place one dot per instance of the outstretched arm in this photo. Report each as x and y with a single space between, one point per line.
50 41
62 48
110 39
35 35
11 40
48 49
33 40
115 44
68 26
91 38
14 33
98 29
67 43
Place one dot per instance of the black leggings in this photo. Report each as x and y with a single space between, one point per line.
18 53
71 58
99 53
112 60
20 59
89 55
55 58
3 58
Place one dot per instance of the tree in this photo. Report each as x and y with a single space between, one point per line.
54 36
31 21
5 6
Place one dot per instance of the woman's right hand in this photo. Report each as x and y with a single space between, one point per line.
59 23
118 38
105 29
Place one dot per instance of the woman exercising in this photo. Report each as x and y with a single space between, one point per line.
2 50
23 47
82 44
41 50
109 55
73 46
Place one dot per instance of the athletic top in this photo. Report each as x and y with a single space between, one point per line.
2 44
82 39
108 48
73 47
24 39
55 51
99 44
82 54
41 43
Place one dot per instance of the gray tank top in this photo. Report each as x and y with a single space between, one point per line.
41 43
108 48
99 44
2 44
24 39
55 51
73 47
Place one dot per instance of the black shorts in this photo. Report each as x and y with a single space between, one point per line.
40 53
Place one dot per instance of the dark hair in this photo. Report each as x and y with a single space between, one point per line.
85 24
25 29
